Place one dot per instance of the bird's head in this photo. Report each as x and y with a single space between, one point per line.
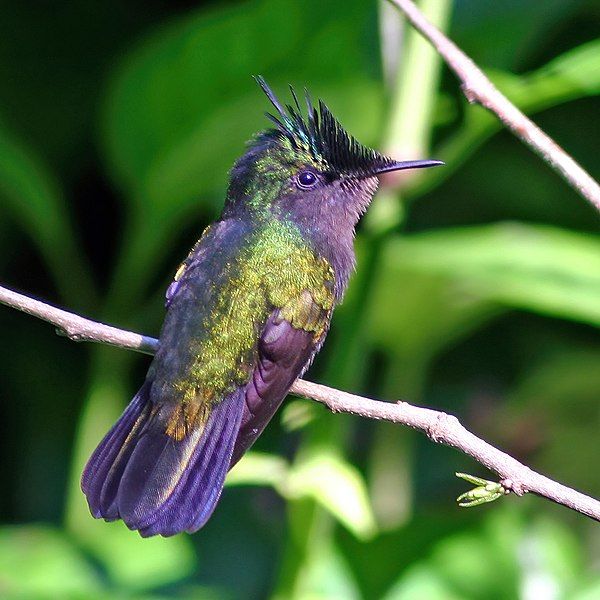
309 167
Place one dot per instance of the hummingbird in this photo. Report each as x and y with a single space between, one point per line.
246 313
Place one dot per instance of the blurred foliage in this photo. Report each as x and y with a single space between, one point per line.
477 291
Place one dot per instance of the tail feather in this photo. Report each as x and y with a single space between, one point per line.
195 494
159 485
97 472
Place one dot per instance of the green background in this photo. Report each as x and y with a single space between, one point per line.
477 292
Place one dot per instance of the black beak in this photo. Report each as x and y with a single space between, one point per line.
404 164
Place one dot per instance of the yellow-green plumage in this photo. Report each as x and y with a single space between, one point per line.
274 269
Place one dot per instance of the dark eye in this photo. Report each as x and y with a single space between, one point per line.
307 179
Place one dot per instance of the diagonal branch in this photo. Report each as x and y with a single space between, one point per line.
438 426
77 328
480 90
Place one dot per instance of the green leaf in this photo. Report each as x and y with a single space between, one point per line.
259 468
509 555
480 563
337 486
135 563
179 101
575 72
39 561
324 477
414 311
435 287
561 393
297 414
589 591
169 84
30 194
538 268
325 575
556 551
442 284
421 581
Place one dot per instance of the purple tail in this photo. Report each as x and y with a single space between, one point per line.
154 483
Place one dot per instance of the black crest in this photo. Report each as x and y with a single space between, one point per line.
321 134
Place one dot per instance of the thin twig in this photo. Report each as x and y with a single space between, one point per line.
438 426
77 328
479 89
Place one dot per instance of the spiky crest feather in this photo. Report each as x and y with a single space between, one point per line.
322 135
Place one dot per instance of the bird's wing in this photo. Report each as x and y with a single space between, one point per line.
291 336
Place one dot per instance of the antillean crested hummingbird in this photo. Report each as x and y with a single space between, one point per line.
246 313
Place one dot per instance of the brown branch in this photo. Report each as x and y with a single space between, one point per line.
438 426
480 90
